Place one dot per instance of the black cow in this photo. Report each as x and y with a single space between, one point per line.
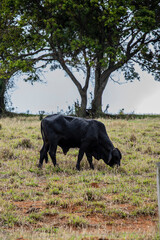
89 136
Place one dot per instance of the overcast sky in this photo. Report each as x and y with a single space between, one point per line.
59 92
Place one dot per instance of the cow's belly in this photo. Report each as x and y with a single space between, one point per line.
69 143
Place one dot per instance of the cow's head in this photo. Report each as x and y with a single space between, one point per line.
114 157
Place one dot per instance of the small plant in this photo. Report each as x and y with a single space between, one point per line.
54 201
133 138
50 212
117 213
55 191
148 150
121 111
39 194
9 219
145 210
136 201
6 154
93 195
24 143
64 203
89 195
41 115
34 217
121 198
50 230
31 183
77 222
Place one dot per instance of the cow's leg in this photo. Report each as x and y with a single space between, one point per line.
52 153
43 155
80 156
89 158
46 151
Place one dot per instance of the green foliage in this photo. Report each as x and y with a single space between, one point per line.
41 115
147 210
6 154
33 217
92 36
50 230
8 217
77 222
24 143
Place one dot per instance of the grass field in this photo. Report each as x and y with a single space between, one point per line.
62 203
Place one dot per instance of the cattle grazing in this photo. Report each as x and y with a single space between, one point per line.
88 135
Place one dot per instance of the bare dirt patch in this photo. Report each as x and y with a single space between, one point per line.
96 221
30 206
21 238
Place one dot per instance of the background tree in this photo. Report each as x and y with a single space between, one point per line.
6 20
13 46
9 44
96 36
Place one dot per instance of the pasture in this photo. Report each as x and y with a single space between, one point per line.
63 203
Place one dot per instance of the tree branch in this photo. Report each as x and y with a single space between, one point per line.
64 66
88 72
33 53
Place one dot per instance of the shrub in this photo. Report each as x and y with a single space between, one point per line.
78 222
133 138
41 115
6 154
24 143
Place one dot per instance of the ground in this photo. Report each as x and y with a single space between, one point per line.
62 203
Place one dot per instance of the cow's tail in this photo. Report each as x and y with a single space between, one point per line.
42 132
45 142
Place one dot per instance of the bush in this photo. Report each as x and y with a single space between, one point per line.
6 154
24 143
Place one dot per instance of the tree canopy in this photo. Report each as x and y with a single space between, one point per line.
96 36
13 45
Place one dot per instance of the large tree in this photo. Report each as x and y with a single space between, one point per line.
13 45
96 36
6 20
10 35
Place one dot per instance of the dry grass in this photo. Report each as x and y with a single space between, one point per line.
62 203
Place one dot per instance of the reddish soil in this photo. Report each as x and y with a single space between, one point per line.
30 206
21 238
96 221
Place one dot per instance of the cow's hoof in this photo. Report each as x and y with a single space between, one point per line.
39 166
56 165
78 168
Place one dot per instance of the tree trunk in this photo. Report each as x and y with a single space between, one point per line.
81 110
2 96
100 84
97 104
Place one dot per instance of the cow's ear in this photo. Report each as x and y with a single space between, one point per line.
119 153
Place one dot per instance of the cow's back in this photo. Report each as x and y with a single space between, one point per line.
68 128
54 124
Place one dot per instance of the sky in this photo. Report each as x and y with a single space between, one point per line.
58 92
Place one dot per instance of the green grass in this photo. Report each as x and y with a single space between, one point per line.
62 203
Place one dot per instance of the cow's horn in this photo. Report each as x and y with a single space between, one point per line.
110 157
